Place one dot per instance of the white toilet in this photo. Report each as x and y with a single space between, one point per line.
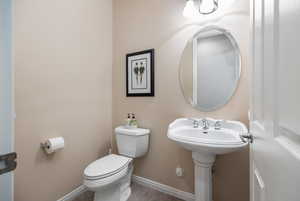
109 177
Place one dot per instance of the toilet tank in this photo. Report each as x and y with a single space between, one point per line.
132 142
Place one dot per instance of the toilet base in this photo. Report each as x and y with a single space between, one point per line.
120 191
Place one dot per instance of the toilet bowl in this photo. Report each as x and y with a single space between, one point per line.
110 177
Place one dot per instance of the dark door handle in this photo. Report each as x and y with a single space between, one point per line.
10 163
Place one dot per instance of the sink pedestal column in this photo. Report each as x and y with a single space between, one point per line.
203 176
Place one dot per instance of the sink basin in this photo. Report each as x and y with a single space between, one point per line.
205 143
211 141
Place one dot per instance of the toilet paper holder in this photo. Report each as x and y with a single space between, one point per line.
53 145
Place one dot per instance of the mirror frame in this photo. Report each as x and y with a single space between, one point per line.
239 58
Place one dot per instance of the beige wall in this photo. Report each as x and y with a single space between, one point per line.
63 52
143 24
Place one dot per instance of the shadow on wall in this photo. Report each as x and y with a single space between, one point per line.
168 32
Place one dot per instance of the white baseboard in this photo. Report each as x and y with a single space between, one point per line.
142 181
164 188
74 194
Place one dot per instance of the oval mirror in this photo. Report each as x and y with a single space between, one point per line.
210 69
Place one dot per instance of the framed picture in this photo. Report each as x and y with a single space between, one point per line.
140 73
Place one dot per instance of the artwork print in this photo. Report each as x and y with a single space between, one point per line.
140 73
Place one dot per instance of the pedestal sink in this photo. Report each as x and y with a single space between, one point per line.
206 138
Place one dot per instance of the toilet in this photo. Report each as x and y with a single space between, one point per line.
110 177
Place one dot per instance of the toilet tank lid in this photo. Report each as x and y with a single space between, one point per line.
131 131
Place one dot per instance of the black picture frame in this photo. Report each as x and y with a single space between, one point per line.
151 93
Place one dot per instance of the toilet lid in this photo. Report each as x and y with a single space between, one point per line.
106 166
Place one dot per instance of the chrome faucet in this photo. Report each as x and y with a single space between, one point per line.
205 124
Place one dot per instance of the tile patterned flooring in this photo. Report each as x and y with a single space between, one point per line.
139 193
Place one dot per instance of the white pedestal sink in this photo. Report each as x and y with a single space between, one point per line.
205 144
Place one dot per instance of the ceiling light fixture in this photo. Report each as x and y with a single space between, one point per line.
195 7
190 9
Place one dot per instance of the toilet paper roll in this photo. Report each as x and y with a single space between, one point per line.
54 144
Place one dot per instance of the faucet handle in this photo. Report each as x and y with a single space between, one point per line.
195 122
218 124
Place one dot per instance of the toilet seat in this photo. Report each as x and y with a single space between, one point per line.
107 166
96 184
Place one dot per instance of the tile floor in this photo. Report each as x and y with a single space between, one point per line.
139 193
